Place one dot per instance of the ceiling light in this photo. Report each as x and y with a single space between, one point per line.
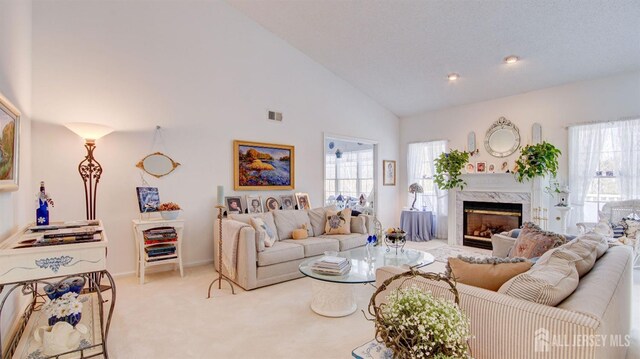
453 76
511 59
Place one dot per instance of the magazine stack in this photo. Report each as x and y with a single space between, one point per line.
332 265
162 241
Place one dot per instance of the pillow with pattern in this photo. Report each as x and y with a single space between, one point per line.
338 222
534 242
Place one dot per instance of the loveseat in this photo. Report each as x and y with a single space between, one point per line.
258 265
593 322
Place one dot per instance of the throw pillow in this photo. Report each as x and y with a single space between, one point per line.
358 225
338 222
246 218
288 221
552 279
618 230
263 230
318 219
587 248
488 273
534 242
631 227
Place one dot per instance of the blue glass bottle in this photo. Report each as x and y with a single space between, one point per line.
42 212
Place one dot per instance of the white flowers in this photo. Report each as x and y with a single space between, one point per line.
67 304
428 325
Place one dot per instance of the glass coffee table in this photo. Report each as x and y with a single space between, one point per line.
332 294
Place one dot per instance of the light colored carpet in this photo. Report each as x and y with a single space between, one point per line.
170 317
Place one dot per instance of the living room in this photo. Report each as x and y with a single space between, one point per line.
188 78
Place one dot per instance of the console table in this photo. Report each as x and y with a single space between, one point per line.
26 267
417 224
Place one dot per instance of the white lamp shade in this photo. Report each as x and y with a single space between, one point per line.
89 131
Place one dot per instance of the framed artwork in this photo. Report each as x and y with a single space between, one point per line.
234 204
9 145
148 199
302 199
254 204
491 168
288 202
263 166
388 173
272 204
505 167
470 168
481 167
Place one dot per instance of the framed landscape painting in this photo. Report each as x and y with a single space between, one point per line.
263 166
9 145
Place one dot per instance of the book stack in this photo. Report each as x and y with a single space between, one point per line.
69 235
160 252
332 265
160 235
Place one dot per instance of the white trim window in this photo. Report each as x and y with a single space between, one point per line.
349 176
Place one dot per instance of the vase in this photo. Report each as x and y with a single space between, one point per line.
72 319
42 214
56 291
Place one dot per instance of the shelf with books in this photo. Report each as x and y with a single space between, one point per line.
158 242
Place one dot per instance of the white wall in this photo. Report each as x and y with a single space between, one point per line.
204 72
554 108
16 208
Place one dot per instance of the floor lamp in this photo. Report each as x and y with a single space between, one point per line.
221 276
89 168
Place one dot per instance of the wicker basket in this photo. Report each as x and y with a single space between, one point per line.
398 344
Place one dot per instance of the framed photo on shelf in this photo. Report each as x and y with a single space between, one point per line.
481 167
271 204
148 199
302 199
470 168
263 166
254 204
9 145
234 204
288 202
388 173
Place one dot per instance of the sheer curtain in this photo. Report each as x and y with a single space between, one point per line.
629 171
585 144
420 169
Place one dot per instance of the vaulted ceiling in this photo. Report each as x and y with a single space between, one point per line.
400 52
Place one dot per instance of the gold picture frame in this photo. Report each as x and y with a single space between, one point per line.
263 166
388 173
9 145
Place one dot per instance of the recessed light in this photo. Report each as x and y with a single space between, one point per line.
511 59
453 76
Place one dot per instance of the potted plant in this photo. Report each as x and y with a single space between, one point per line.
448 168
537 160
169 210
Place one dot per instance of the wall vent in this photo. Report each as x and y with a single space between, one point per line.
274 116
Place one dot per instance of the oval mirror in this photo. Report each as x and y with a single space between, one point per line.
157 164
502 138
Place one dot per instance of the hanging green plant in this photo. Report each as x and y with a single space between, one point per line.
448 168
537 160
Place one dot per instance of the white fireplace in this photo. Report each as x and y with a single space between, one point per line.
492 188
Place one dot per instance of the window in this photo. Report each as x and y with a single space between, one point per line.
351 175
603 166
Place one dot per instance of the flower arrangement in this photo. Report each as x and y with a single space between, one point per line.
448 168
64 308
168 206
424 326
537 161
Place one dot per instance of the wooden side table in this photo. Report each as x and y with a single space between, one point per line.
139 226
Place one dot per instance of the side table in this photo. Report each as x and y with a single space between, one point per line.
417 224
143 245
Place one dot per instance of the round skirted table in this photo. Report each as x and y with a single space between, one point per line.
417 224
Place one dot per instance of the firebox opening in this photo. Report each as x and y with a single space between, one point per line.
484 219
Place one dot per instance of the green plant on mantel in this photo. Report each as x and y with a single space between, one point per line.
537 160
448 168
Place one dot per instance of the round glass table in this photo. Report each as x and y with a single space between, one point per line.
333 297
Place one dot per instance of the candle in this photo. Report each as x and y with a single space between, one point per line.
220 195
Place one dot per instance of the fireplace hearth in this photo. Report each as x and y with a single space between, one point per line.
484 219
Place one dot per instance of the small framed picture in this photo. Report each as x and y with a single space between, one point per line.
470 168
148 199
288 202
234 204
389 173
272 204
505 167
491 168
302 199
254 204
481 167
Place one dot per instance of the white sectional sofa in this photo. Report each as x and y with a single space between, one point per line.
258 265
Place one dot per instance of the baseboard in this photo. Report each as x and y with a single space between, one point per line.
151 270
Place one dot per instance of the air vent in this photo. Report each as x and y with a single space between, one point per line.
274 116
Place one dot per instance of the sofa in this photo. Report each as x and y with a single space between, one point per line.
598 311
259 265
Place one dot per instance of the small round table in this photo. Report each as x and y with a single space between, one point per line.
332 294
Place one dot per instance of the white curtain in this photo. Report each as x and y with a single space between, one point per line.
420 169
585 144
629 170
